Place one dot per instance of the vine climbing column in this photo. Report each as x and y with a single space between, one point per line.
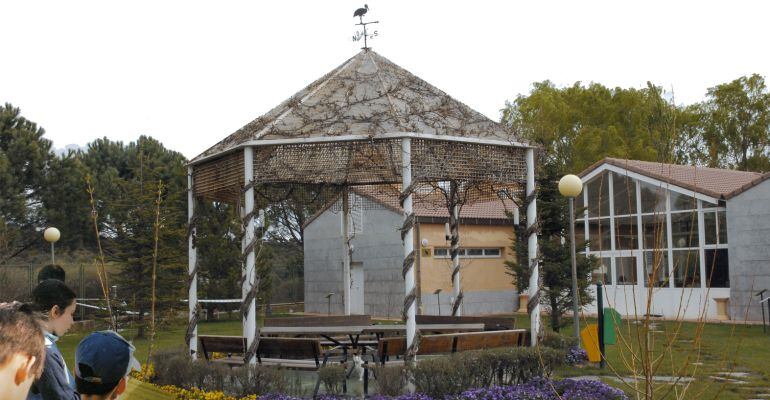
533 307
191 336
454 245
407 235
249 284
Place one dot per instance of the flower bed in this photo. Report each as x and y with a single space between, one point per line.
537 389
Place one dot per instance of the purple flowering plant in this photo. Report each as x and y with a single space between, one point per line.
536 389
576 355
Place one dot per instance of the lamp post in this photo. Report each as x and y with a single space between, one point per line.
438 301
570 186
52 235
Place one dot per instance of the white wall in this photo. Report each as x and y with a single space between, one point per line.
672 303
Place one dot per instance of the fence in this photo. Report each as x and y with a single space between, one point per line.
17 281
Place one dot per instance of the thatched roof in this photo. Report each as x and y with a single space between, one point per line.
366 96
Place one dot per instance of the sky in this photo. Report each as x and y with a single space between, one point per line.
189 73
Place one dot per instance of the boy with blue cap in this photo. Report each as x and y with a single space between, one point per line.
103 361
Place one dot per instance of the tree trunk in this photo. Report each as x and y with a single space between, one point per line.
140 323
554 313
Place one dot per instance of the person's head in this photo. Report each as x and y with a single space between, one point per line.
22 351
56 302
51 271
103 361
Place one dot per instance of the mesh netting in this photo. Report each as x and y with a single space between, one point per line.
317 173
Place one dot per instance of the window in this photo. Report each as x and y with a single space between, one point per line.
722 226
579 205
654 230
626 269
686 268
474 252
603 273
710 226
598 190
656 268
492 252
653 198
684 229
681 202
599 234
624 194
626 233
443 252
717 268
715 227
580 235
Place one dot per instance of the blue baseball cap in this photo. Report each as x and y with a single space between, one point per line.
103 358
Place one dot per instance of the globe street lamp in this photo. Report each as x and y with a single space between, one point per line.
52 235
570 186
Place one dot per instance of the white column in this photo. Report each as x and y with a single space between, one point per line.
192 256
455 229
346 250
250 319
409 279
534 279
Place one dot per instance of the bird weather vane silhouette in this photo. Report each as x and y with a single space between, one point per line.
363 34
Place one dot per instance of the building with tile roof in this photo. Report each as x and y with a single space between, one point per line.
377 285
697 236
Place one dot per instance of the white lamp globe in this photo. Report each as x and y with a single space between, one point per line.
570 186
424 242
51 235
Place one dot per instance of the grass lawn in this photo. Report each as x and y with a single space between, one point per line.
723 348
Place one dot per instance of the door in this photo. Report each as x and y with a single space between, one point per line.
357 288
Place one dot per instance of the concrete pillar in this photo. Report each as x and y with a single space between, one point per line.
346 250
454 250
534 279
408 237
249 269
192 256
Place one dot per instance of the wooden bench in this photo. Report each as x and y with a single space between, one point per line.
490 323
293 353
332 320
453 342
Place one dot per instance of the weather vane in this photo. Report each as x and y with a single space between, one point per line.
363 34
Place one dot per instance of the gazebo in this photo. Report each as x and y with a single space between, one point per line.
367 122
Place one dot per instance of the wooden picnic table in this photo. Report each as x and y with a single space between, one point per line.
331 333
367 329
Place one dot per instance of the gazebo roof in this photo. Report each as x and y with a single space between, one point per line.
368 96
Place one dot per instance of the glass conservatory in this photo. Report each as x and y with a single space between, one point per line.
653 239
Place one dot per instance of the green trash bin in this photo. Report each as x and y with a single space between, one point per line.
612 319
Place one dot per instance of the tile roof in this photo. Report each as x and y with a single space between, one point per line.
433 205
714 182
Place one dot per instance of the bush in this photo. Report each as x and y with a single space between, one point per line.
174 367
556 341
333 378
258 379
450 375
441 376
390 381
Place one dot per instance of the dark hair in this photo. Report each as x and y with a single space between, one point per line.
21 332
51 271
52 292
